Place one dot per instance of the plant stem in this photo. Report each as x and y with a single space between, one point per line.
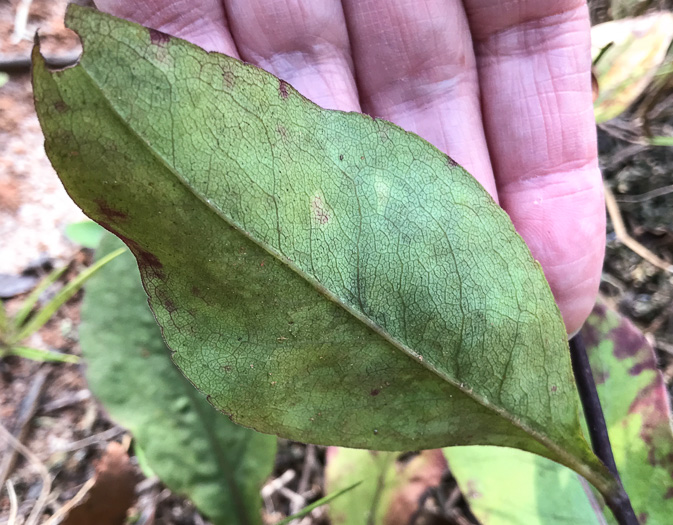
619 503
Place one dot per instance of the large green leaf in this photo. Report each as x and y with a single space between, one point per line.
321 275
510 487
194 450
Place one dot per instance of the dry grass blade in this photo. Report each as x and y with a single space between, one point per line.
659 192
13 503
76 500
26 411
39 466
626 239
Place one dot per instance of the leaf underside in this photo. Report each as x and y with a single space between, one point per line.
321 275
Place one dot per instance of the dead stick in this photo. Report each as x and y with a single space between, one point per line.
628 241
40 467
26 411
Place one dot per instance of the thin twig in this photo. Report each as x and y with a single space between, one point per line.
273 486
92 440
310 459
619 503
26 411
659 192
20 21
13 503
39 466
664 347
69 505
66 401
628 241
20 63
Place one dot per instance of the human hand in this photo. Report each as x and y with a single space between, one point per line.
503 87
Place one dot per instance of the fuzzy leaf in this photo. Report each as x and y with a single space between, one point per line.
321 275
194 450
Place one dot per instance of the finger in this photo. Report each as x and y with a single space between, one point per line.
301 41
534 69
202 22
415 67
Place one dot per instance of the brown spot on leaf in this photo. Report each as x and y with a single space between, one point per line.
628 340
158 38
601 376
109 212
642 518
375 392
639 367
60 106
282 89
452 163
320 214
554 388
228 80
669 493
341 157
166 301
147 262
282 131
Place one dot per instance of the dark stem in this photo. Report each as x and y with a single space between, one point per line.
619 503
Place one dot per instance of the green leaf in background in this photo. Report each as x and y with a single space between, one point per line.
513 487
390 489
85 233
194 450
509 487
321 275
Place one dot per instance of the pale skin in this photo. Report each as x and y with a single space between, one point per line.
502 86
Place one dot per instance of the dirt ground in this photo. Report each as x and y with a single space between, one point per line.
49 405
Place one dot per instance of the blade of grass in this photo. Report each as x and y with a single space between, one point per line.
660 141
322 501
61 297
36 354
34 296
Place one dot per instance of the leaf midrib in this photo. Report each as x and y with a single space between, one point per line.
226 468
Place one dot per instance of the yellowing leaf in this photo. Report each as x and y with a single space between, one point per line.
637 47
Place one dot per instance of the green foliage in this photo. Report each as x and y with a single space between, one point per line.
320 275
85 233
389 489
26 322
513 487
194 450
509 487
